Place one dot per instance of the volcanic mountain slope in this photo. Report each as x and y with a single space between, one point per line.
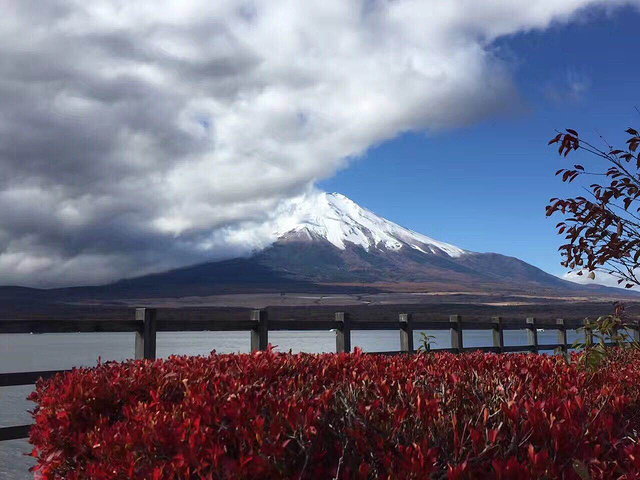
334 240
327 243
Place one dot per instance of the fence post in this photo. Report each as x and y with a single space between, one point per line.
406 332
588 334
146 337
455 324
260 332
636 332
498 334
562 339
532 333
562 335
343 332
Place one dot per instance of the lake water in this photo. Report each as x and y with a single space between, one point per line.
21 353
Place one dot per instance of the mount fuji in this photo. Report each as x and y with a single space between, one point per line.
326 243
330 239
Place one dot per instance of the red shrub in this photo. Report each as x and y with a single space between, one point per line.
270 415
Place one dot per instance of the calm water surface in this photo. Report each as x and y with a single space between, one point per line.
20 353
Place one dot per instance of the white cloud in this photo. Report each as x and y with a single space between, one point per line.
570 86
135 136
601 278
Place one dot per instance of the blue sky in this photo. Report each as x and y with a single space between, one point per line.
484 187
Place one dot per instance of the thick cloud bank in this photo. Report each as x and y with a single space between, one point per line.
141 135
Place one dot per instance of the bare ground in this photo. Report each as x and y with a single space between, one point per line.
378 306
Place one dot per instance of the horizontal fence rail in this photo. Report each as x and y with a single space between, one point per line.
146 325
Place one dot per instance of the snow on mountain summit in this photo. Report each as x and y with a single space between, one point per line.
339 220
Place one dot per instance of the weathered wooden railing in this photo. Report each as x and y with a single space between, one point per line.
146 325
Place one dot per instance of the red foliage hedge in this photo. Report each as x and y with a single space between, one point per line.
270 415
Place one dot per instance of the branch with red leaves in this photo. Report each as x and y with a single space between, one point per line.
603 229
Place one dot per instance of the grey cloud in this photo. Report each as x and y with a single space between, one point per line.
140 136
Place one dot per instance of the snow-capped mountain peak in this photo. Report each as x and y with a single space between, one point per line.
340 221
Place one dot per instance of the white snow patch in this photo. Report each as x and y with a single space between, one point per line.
339 220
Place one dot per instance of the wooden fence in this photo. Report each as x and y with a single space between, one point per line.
146 325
